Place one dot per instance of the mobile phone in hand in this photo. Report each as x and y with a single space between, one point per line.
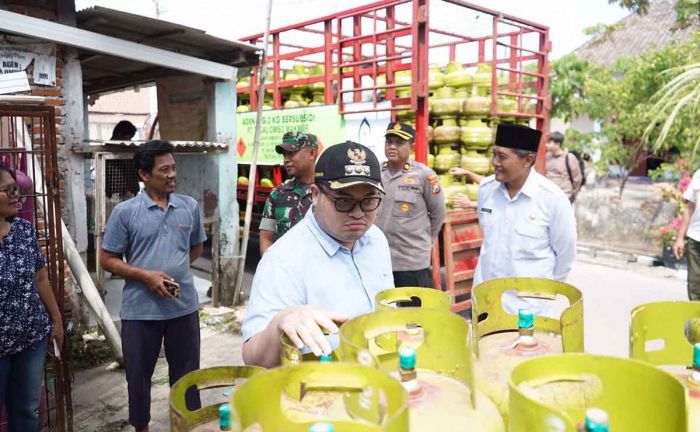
172 287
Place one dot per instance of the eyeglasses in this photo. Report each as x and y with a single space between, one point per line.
346 205
12 191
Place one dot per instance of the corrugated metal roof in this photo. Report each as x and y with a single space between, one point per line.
104 73
166 35
191 146
640 33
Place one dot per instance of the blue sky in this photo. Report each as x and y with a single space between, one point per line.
233 19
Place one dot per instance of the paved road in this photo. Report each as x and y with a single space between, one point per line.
610 294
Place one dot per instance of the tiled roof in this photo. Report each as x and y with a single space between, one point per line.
639 33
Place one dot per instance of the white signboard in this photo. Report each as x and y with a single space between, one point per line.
14 82
368 128
17 58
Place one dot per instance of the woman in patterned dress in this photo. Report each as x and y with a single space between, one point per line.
29 314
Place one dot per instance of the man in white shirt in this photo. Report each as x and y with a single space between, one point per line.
326 269
528 223
690 228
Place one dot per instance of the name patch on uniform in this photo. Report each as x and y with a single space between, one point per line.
485 210
409 188
434 184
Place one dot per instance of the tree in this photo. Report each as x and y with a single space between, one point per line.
687 11
568 86
677 104
620 100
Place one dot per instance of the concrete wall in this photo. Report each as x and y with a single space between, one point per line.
183 104
73 165
197 176
625 225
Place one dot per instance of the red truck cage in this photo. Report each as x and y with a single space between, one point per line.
358 46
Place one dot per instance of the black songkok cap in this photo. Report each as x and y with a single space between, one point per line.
518 137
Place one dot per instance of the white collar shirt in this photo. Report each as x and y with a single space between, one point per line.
691 194
306 266
532 234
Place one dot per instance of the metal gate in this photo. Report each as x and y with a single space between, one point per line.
28 144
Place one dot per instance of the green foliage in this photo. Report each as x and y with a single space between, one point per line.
676 105
622 100
636 6
568 86
577 141
602 32
687 11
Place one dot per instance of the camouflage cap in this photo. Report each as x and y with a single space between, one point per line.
294 141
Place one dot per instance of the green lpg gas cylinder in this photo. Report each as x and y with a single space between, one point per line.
291 355
442 395
666 334
505 340
596 420
427 298
553 393
690 378
350 397
205 419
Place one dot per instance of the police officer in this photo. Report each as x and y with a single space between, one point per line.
288 203
528 223
413 210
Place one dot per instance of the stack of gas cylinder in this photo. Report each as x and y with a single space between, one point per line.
461 123
294 97
462 126
412 365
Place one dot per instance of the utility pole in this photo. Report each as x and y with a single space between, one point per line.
253 162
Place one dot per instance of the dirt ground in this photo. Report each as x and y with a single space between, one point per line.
100 402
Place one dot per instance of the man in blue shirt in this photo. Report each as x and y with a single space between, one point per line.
328 267
159 233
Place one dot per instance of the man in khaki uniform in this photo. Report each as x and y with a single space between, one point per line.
413 209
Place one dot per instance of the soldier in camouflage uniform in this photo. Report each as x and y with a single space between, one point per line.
288 202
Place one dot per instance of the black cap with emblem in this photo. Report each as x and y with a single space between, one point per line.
348 164
518 137
401 130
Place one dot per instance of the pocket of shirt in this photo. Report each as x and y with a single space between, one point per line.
405 204
532 240
183 236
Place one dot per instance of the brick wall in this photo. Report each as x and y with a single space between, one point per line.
56 97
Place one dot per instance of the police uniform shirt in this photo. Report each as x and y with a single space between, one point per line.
411 214
530 235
